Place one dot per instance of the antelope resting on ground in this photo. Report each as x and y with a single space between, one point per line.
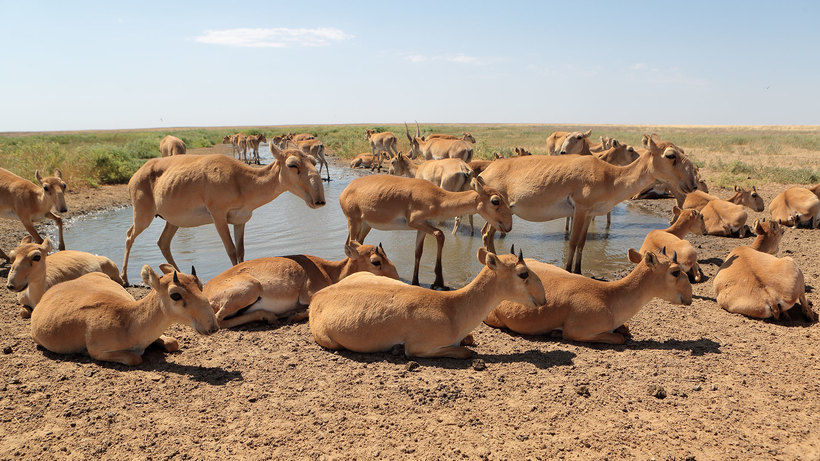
95 314
437 149
171 145
451 174
193 190
301 136
797 206
269 288
671 238
725 217
396 203
591 310
379 142
30 277
24 200
754 282
542 188
466 137
365 160
579 143
315 149
367 313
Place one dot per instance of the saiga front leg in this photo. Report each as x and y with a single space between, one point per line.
59 220
439 235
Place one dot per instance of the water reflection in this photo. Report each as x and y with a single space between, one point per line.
287 226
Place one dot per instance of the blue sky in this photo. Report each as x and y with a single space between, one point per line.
101 65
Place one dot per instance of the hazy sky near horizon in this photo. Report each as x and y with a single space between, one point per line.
106 65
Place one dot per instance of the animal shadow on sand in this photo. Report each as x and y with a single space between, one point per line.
697 347
154 359
540 359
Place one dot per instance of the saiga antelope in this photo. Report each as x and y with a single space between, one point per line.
797 206
30 276
437 149
466 137
171 145
451 174
542 188
316 149
193 190
396 203
754 282
579 143
269 288
24 200
367 313
591 310
385 141
95 314
671 238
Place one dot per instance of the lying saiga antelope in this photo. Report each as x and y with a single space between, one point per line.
367 313
725 217
269 288
797 206
671 238
95 314
24 200
437 148
30 276
396 203
171 145
754 282
193 190
466 137
591 310
542 188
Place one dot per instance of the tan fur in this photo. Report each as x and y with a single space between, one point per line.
397 203
671 239
315 149
171 145
272 287
30 276
451 174
797 206
367 313
365 160
746 197
542 188
754 282
253 142
466 137
438 148
95 314
193 190
578 142
30 203
591 310
380 142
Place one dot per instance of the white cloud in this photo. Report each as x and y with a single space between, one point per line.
457 58
277 37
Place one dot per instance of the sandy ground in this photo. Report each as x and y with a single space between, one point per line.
735 388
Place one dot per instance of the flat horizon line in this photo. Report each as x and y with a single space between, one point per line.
647 125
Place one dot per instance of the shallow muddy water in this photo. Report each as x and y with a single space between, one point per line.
287 226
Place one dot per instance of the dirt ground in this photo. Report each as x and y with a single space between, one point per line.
735 388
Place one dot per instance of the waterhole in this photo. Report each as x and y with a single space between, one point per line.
287 226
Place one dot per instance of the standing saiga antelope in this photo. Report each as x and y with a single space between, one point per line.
316 149
269 288
368 313
23 200
395 203
437 148
542 188
385 141
193 190
171 145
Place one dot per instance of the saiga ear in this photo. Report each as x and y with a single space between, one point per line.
351 249
487 258
634 256
166 268
150 277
